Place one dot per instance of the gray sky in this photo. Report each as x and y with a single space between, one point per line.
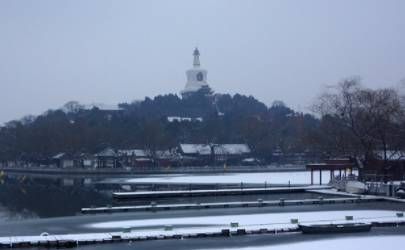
52 52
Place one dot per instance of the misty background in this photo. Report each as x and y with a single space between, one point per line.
108 52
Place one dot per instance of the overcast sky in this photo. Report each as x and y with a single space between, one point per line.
52 52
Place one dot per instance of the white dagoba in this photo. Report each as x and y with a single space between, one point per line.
196 76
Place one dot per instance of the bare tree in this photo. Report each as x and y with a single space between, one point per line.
72 107
373 117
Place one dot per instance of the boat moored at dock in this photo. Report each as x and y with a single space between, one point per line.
335 228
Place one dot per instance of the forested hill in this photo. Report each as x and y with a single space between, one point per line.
144 124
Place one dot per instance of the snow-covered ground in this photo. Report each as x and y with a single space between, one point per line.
295 177
350 243
210 224
268 220
221 191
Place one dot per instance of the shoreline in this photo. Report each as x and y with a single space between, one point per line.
174 170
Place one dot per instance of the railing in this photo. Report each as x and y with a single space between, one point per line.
380 188
340 183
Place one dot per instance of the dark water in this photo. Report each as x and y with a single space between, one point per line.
24 197
27 196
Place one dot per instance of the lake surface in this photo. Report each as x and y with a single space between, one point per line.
275 178
30 205
23 197
32 196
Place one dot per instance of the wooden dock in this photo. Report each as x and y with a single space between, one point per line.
215 192
75 240
259 203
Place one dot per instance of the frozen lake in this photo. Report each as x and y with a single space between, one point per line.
100 226
25 196
349 243
270 220
278 178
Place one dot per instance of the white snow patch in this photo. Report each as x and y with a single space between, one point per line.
216 223
266 219
293 177
184 119
350 243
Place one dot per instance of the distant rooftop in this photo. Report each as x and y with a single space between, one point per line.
184 119
219 149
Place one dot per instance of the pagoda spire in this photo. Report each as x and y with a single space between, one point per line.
196 77
196 54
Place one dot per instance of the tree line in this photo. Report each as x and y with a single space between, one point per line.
349 120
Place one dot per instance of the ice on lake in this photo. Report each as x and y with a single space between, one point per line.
349 243
293 177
